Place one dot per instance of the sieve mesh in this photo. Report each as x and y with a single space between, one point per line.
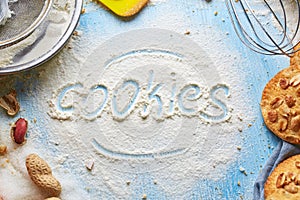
27 15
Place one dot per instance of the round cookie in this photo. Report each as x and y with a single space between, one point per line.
295 59
280 104
284 181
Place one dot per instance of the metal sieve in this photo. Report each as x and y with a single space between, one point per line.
26 17
46 40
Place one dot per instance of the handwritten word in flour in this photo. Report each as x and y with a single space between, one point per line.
155 99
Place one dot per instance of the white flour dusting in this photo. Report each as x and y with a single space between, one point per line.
149 102
6 11
185 113
154 2
183 136
14 180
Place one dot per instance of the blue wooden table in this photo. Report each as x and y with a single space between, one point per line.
96 30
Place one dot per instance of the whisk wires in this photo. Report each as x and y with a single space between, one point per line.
259 32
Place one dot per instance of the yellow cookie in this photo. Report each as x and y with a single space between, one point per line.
280 104
124 8
284 181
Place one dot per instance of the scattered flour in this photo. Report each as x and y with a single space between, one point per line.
14 174
154 2
163 106
149 101
15 182
186 108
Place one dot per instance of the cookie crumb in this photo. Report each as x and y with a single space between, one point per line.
243 170
89 164
3 149
187 33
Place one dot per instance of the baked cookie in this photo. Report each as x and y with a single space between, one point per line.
280 104
284 181
295 59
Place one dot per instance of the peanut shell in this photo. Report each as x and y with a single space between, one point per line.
10 103
41 174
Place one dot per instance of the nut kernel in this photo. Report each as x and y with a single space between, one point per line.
297 179
291 188
18 131
281 180
292 176
290 101
272 116
295 123
295 80
284 84
275 103
282 125
297 164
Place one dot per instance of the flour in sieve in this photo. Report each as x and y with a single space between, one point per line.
57 15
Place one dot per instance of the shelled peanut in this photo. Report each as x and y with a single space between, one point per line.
18 131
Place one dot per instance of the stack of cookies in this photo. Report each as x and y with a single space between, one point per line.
280 107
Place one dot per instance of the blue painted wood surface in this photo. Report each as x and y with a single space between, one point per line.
256 141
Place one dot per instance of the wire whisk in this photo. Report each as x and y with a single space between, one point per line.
266 27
